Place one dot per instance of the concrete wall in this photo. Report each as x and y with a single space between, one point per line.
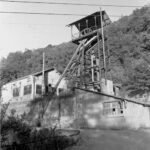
91 112
90 109
137 115
19 107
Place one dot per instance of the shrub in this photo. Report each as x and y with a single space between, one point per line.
26 138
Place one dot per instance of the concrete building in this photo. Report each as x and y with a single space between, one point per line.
29 87
98 111
106 110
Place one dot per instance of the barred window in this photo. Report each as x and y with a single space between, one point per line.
38 89
113 108
27 89
15 92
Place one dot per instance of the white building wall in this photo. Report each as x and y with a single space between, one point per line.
107 86
137 115
7 90
53 78
6 93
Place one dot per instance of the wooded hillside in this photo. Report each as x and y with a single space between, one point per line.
128 40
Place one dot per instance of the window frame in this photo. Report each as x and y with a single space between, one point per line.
38 89
113 108
14 93
27 91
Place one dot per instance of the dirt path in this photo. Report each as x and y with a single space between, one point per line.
113 140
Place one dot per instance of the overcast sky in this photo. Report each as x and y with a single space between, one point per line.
18 32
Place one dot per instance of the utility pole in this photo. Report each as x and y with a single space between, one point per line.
43 75
103 44
0 123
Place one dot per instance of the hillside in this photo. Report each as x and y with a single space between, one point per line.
19 64
128 40
129 44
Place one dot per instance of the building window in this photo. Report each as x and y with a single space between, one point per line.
38 89
27 89
15 92
113 108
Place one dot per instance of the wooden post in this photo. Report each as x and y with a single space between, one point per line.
103 43
0 122
71 33
97 72
83 65
87 23
33 88
95 21
92 69
79 29
87 31
59 112
43 75
99 56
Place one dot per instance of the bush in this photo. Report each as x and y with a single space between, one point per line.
17 135
14 127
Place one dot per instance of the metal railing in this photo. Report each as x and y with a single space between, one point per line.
84 32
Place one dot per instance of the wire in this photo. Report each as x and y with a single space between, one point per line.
51 14
39 13
75 4
30 24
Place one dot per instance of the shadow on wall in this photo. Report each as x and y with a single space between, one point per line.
39 107
79 109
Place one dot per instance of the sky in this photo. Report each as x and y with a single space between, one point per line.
19 32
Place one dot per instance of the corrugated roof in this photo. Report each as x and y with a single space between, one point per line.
33 74
40 72
89 17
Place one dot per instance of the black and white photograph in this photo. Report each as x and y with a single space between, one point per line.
74 75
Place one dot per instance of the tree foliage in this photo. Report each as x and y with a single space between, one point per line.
19 64
129 45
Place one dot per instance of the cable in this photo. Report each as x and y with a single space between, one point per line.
30 24
75 4
39 13
51 14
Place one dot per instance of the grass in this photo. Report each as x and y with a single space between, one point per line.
113 140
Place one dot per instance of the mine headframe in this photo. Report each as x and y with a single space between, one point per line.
88 66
